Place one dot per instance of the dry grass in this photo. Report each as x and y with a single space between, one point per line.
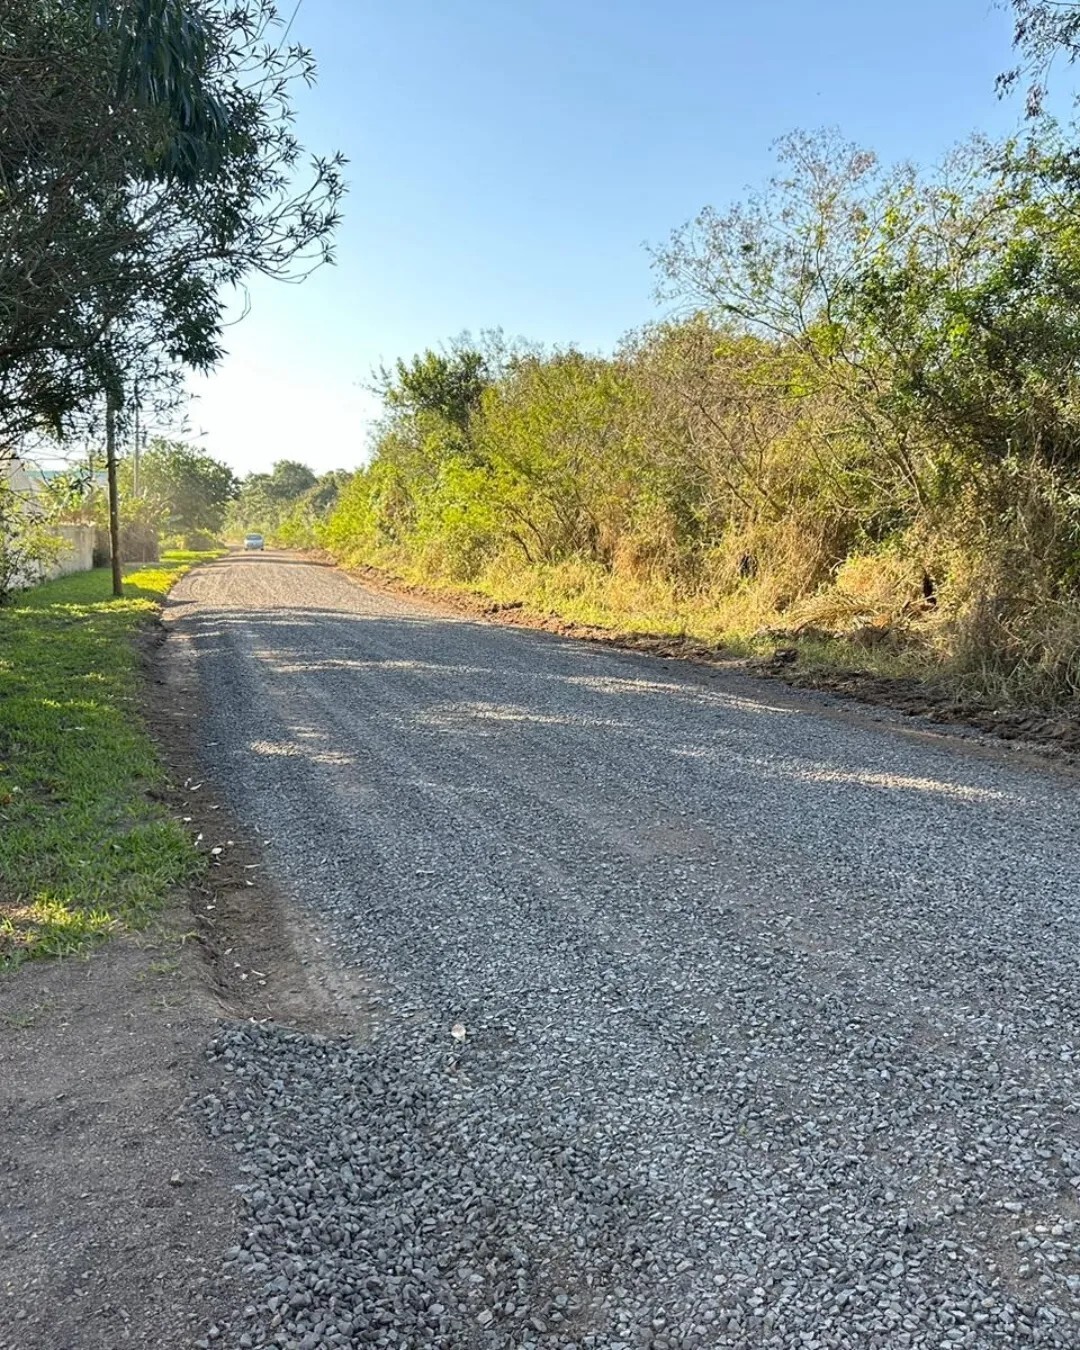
996 625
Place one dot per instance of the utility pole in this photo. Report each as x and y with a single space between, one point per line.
111 401
135 453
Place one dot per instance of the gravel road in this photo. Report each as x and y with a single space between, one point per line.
709 1017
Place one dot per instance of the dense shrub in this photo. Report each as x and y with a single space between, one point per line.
866 414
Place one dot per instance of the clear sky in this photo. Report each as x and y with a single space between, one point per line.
510 160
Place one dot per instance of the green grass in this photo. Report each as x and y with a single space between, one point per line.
83 850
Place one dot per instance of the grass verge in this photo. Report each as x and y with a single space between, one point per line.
83 849
578 593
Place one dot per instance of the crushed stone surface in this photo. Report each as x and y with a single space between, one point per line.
706 1017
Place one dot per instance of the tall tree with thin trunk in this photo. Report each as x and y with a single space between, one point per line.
148 164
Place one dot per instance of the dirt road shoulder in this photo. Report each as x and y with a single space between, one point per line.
115 1210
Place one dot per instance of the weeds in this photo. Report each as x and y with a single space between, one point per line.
26 1018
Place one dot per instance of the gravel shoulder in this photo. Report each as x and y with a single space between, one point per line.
687 1010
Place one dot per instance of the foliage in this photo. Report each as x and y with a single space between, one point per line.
448 385
264 498
864 417
27 544
147 162
1043 30
191 490
83 849
285 503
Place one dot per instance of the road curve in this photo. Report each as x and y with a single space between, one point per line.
713 1017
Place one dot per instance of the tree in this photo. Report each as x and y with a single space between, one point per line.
449 384
193 489
975 309
147 164
786 266
288 480
1042 30
265 499
327 488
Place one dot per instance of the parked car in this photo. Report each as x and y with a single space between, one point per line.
253 541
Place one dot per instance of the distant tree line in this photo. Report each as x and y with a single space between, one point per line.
287 503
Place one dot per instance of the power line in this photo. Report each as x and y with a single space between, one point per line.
288 26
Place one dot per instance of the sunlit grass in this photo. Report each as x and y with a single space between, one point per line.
83 849
737 625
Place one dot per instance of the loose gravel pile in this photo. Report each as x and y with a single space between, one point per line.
707 1022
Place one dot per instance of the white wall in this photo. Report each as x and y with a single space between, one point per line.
77 553
77 541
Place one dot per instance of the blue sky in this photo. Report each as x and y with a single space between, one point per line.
511 159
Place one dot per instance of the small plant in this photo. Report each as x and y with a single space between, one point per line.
164 967
27 545
27 1017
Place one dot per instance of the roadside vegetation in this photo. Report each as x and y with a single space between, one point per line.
83 849
863 428
288 505
174 494
148 167
857 434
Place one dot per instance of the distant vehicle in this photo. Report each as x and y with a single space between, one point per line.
253 541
